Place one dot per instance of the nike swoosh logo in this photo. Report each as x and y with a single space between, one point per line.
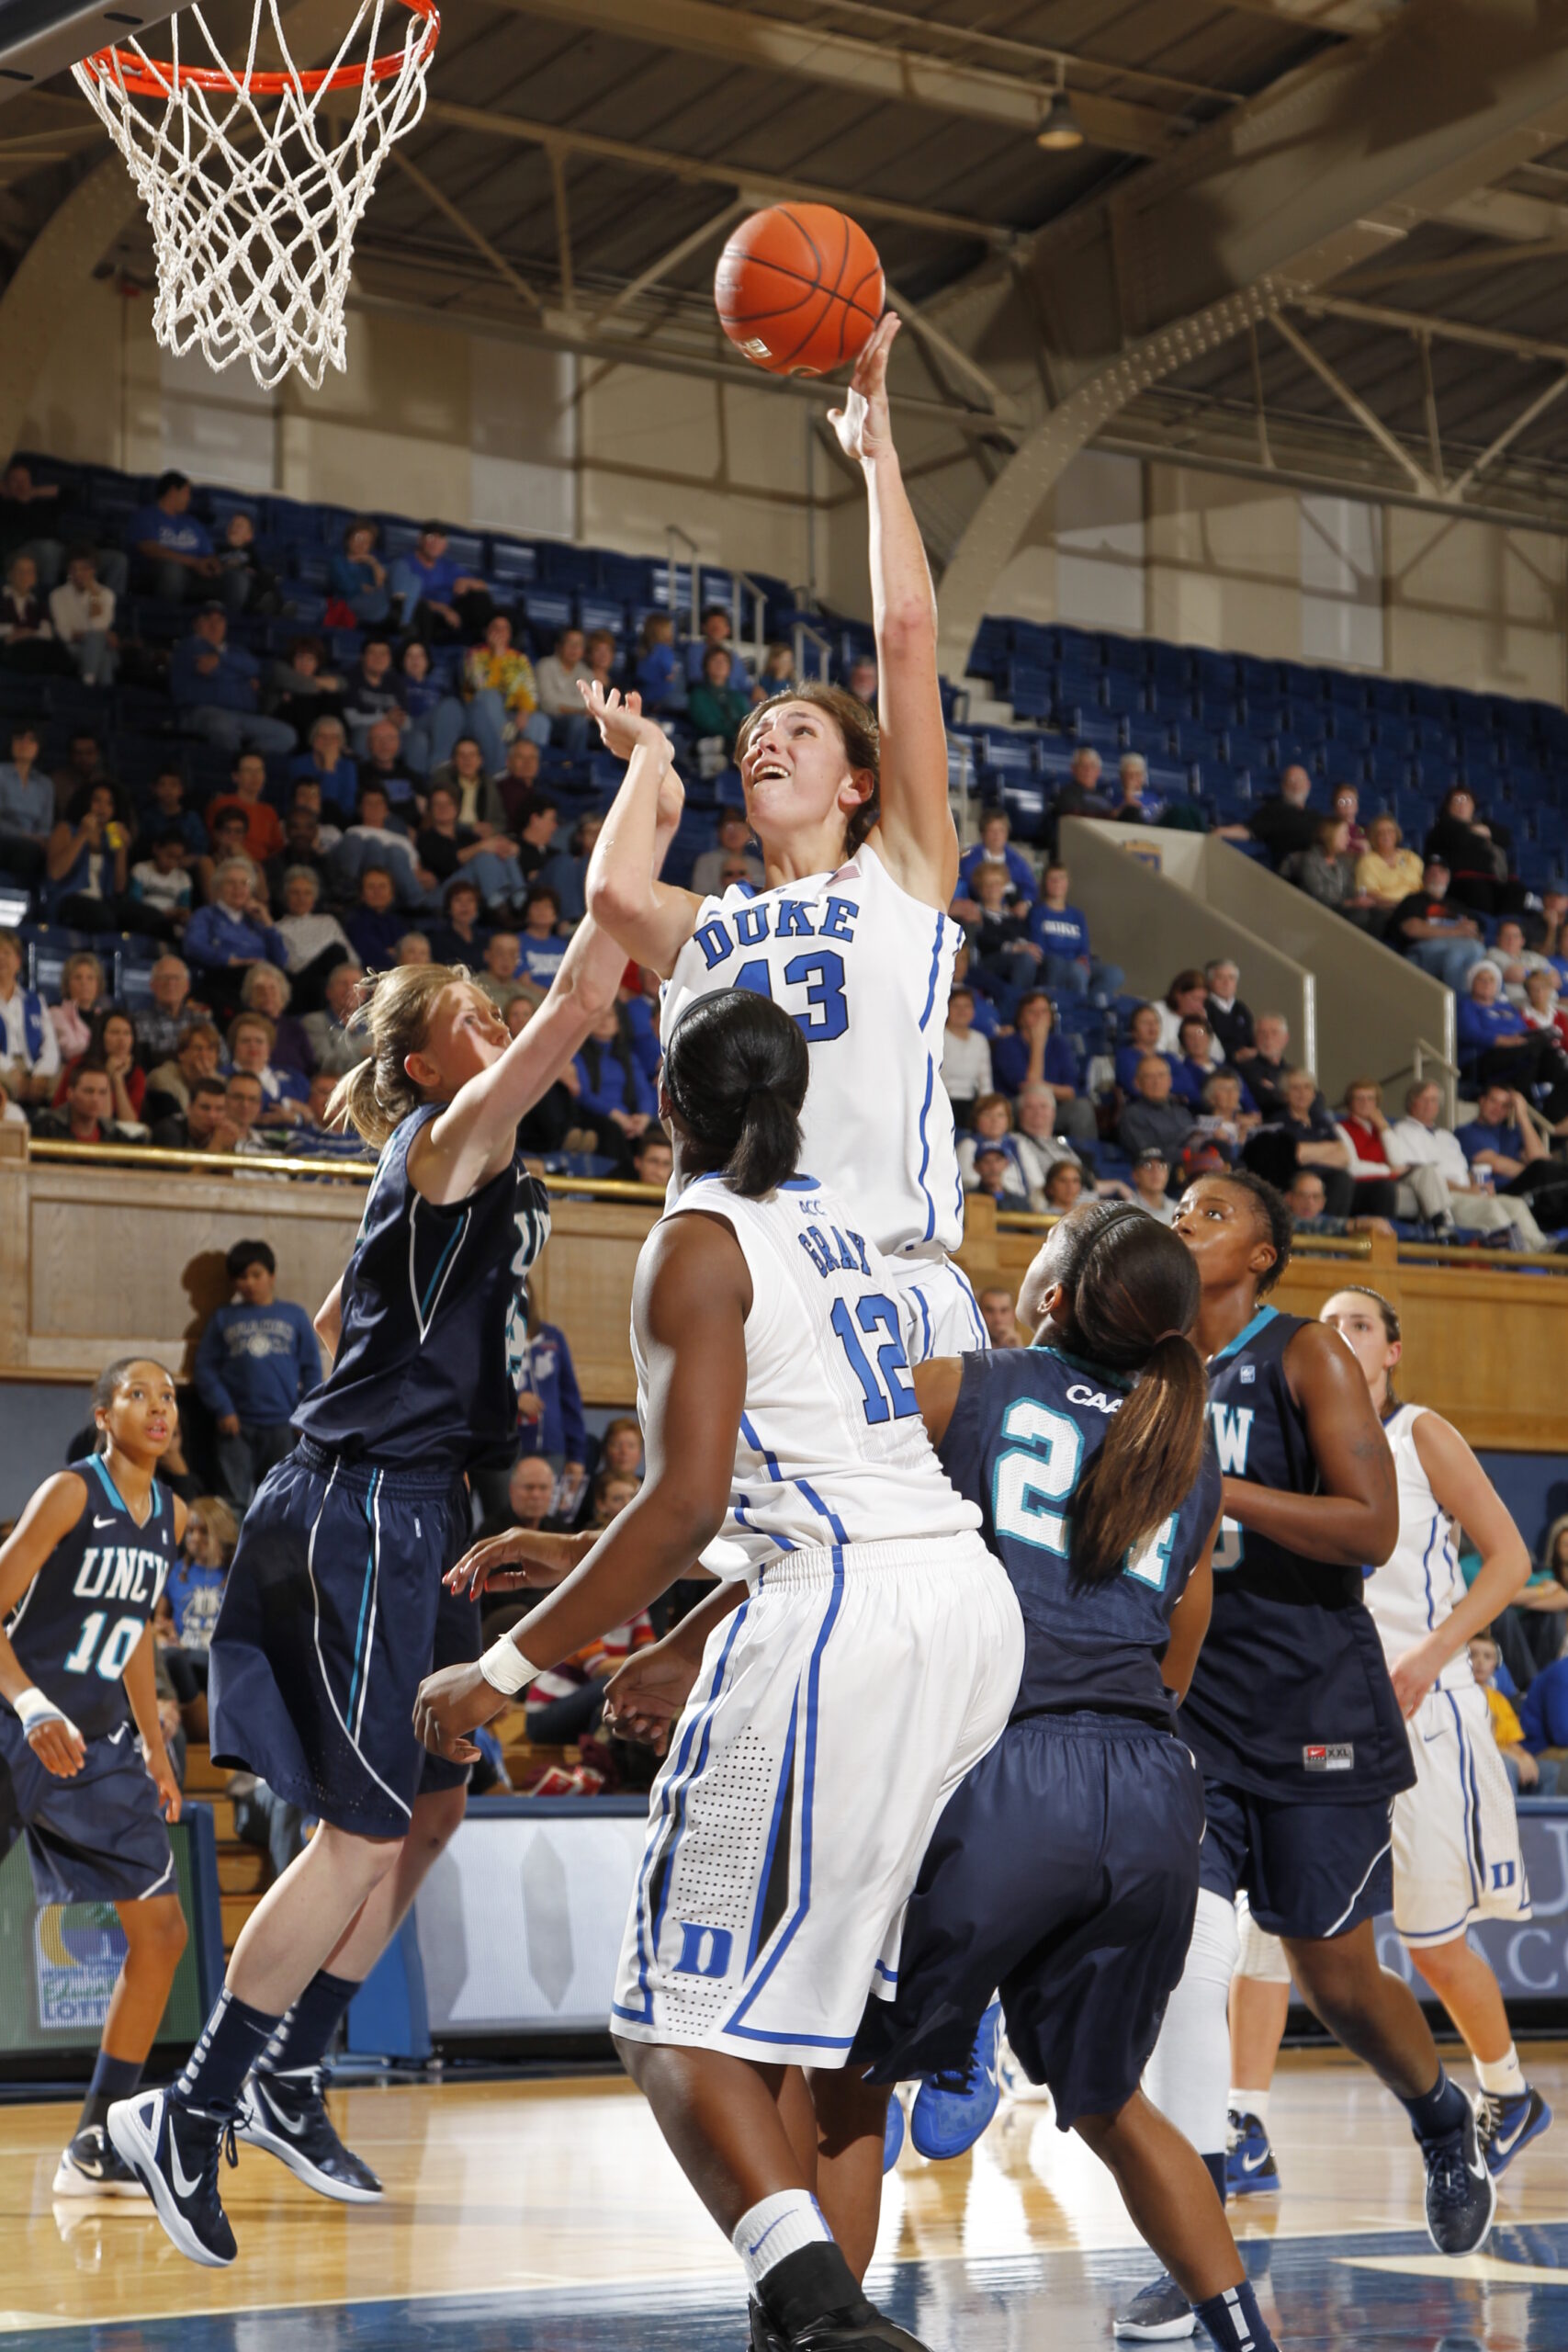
184 2186
105 1522
767 2234
1503 2146
1250 2164
274 2114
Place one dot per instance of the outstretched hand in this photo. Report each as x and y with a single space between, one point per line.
621 720
522 1557
864 425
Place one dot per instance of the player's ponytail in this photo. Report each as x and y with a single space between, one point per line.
1133 1289
394 1009
735 1070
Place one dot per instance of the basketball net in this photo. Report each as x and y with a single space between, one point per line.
254 181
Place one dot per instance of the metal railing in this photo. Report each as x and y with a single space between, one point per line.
673 532
803 635
278 1164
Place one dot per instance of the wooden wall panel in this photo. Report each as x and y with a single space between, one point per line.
95 1263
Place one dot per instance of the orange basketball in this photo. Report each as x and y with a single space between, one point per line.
798 289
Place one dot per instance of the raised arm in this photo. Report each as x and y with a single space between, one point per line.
1353 1521
474 1137
1467 1494
651 920
691 1299
914 835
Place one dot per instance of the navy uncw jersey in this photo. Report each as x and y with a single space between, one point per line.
434 1322
78 1622
1291 1696
1027 1426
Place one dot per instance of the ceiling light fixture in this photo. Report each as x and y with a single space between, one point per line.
1061 130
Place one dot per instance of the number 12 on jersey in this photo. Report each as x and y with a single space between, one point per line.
887 1390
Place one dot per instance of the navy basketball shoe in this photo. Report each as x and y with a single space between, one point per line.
953 2108
1507 2125
285 2114
173 2152
1461 2195
1158 2313
1250 2168
91 2166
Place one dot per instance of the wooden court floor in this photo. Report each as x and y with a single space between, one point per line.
549 2215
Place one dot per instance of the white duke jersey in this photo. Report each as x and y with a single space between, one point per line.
865 970
1422 1583
831 1448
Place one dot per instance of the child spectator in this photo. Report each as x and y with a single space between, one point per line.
994 1172
168 812
196 1581
258 1359
375 923
1527 1775
82 610
716 707
541 948
358 576
965 1057
660 679
159 886
81 990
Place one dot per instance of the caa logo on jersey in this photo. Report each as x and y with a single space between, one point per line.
1095 1398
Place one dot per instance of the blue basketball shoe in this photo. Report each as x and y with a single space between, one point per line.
893 2133
953 2108
1507 2125
1250 2168
1461 2195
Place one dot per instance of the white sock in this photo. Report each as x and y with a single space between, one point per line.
1251 2103
1189 2073
780 2225
1503 2077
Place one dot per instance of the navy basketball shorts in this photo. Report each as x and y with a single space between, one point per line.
1064 1871
1310 1871
457 1643
96 1837
326 1630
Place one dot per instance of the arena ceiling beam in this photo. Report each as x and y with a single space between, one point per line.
877 69
1272 202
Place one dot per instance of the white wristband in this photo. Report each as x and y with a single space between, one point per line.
34 1708
505 1668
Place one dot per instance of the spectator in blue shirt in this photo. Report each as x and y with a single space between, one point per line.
1496 1043
27 806
1139 803
549 1402
1195 1065
225 938
1544 1714
168 813
542 948
715 633
175 551
376 923
215 686
358 576
614 1094
258 1359
196 1581
440 603
1143 1039
1505 1138
660 679
993 848
1037 1053
1061 932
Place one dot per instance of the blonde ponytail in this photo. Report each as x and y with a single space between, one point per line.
394 1008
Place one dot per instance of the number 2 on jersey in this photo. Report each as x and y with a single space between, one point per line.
822 976
1042 1470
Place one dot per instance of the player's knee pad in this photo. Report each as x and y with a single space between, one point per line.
1211 1954
1189 2075
1262 1955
